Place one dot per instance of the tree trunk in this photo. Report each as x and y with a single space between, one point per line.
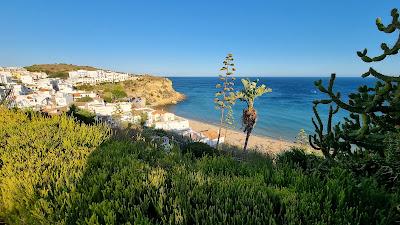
247 140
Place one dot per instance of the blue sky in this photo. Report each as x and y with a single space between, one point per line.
191 38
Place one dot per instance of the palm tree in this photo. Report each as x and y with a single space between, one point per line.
248 94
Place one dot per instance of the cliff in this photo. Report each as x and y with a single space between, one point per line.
157 90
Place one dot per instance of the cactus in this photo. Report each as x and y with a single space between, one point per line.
374 111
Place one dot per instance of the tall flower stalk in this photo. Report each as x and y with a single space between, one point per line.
225 96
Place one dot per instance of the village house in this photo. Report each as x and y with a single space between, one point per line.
65 87
210 137
160 119
27 79
38 75
5 77
96 77
63 99
82 94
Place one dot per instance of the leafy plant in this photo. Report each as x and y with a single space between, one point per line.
248 94
118 112
81 115
302 138
42 160
55 170
199 149
85 99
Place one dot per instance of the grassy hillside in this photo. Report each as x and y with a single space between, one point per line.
57 70
57 171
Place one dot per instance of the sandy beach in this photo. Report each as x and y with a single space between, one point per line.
235 137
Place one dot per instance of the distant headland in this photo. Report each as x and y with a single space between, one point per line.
156 90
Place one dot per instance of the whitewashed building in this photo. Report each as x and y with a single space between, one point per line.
63 99
5 77
210 137
27 79
95 77
160 119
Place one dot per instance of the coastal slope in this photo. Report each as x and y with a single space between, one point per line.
157 90
57 70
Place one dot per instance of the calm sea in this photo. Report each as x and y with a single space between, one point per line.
281 114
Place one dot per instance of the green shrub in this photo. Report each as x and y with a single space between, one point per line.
85 99
199 149
58 171
81 115
296 157
384 168
118 93
42 161
108 91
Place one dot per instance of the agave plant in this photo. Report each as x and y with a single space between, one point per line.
248 94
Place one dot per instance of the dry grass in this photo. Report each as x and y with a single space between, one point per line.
57 70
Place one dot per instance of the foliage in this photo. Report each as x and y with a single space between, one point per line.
199 149
81 115
110 92
84 99
297 157
248 94
58 70
117 114
143 116
302 138
225 97
374 111
386 170
118 93
42 161
56 171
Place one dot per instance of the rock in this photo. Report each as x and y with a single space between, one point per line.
157 91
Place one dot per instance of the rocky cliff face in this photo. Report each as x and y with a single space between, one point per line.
157 90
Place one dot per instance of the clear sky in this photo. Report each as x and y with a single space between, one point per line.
191 38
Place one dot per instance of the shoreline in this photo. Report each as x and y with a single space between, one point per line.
261 143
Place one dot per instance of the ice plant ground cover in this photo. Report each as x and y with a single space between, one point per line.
59 171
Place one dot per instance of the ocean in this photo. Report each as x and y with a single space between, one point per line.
281 113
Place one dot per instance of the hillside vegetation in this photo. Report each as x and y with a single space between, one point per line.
156 90
58 70
58 171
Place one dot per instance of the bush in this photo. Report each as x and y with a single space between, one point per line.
118 93
297 157
58 171
42 161
385 169
85 99
199 149
108 91
81 115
